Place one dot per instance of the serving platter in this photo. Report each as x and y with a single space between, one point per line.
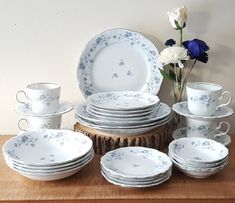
126 59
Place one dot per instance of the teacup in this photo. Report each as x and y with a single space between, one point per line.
40 123
41 98
207 128
204 98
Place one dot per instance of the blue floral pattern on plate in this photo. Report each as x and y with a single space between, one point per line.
108 38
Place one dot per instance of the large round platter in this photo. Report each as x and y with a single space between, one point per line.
132 162
47 147
117 60
123 100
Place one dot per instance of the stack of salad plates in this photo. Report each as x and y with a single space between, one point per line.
123 112
198 157
48 154
136 167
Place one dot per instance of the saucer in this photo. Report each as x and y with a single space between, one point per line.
182 109
65 107
182 132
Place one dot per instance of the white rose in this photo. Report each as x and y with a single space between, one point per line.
173 55
178 15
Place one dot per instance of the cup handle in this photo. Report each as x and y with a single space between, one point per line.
222 96
20 121
227 126
17 96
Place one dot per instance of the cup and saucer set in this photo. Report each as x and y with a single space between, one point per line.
41 106
204 112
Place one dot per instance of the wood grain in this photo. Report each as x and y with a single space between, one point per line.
89 186
103 142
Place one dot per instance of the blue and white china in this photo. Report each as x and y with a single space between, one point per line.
63 108
41 98
198 157
123 100
207 128
183 132
117 60
123 129
136 167
198 150
48 154
182 109
53 122
203 98
47 147
157 115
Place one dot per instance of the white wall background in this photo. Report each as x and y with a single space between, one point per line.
41 40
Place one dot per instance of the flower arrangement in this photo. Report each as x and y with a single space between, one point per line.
181 58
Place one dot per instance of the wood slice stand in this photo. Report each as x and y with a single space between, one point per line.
104 142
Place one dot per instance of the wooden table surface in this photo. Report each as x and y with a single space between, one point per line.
89 186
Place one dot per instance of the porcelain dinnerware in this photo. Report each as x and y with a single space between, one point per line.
204 98
41 98
40 123
126 58
182 109
206 128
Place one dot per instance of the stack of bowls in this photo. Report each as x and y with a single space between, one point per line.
136 167
198 157
123 112
48 154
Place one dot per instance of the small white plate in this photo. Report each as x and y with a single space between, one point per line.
47 147
198 150
64 108
132 162
123 100
119 59
182 132
182 109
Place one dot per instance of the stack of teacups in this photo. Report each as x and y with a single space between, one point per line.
42 106
204 112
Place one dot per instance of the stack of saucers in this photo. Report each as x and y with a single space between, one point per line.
198 157
136 167
123 112
48 154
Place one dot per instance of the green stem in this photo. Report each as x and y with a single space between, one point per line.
181 37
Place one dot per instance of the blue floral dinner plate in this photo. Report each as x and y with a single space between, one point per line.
117 60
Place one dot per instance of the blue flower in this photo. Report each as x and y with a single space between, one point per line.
170 42
197 49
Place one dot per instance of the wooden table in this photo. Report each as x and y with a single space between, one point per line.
89 186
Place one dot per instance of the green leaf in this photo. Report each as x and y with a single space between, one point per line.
165 74
172 75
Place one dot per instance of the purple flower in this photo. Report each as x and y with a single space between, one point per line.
170 42
197 49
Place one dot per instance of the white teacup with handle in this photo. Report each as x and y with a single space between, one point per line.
39 123
41 98
204 98
208 128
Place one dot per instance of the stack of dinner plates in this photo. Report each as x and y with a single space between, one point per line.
136 167
123 112
198 157
48 154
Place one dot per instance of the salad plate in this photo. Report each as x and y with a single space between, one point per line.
64 107
163 112
182 109
136 162
182 132
127 59
123 100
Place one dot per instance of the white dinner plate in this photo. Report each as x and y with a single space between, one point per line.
117 60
